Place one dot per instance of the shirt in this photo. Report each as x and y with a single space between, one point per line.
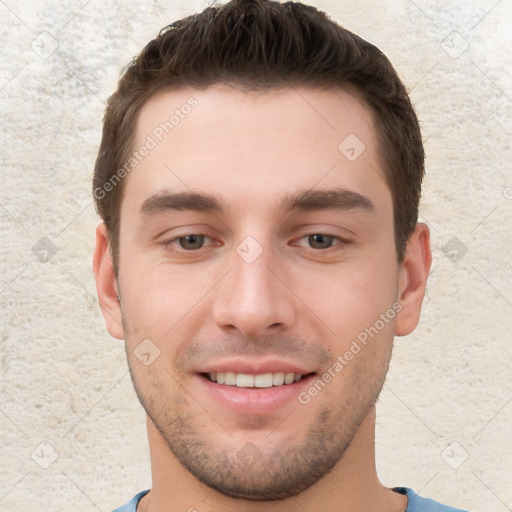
416 503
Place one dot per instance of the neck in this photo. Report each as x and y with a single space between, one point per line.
351 486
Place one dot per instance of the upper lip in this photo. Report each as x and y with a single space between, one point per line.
255 367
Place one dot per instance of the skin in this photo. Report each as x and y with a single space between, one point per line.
300 300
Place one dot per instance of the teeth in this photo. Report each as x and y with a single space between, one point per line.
288 378
244 381
278 379
264 380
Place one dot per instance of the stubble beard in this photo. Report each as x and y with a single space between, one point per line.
249 471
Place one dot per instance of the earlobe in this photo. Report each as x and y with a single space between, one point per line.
413 279
106 284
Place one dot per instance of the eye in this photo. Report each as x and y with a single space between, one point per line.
187 243
320 241
191 242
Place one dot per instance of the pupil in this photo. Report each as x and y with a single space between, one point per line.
322 240
191 241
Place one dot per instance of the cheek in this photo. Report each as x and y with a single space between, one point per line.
145 283
159 302
351 297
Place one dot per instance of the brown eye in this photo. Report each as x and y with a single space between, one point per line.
191 242
320 241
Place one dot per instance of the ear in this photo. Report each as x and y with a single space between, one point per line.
106 283
413 279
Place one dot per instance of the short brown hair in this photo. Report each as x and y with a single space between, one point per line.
263 45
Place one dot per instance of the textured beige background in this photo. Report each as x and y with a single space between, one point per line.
67 403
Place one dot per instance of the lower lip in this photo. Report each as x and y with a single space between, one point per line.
254 400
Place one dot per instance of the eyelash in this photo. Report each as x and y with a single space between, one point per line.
169 244
341 241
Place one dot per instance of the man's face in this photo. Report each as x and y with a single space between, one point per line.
279 279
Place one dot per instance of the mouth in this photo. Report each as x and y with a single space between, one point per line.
257 386
258 394
258 381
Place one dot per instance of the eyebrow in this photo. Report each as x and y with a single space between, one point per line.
164 201
310 200
335 199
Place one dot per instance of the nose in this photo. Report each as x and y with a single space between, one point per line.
254 298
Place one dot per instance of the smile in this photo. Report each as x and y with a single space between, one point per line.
245 380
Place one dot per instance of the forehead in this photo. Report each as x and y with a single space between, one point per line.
251 147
